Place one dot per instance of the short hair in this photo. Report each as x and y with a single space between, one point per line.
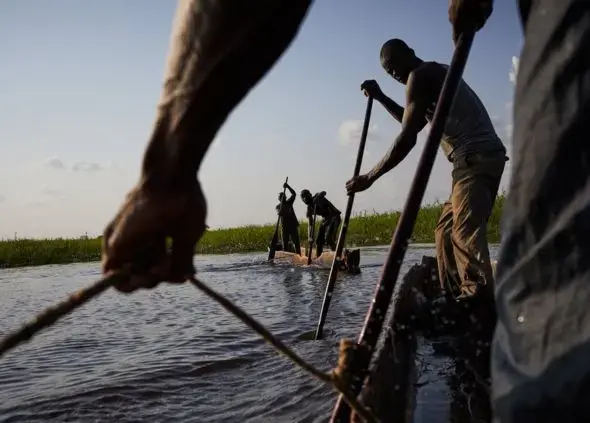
393 48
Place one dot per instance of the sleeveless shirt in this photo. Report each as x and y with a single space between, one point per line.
469 129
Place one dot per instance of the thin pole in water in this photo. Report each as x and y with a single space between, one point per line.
311 232
344 228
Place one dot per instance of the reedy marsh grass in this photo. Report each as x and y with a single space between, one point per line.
365 229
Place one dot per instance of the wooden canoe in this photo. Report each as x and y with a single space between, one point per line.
350 262
324 260
462 331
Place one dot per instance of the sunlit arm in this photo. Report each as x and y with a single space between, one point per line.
412 123
394 109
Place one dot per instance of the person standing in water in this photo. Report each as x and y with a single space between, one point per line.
289 222
469 142
331 219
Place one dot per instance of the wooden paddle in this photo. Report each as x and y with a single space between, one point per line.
273 244
311 232
344 228
378 307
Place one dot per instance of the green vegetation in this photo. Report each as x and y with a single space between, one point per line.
364 230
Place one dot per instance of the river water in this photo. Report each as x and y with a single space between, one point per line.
173 355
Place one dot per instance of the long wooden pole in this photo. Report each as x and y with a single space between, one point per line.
344 228
311 232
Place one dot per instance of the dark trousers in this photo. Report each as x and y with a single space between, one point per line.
461 233
541 349
290 231
327 234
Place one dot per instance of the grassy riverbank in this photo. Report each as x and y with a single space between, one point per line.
364 230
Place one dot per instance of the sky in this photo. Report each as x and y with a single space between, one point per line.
80 81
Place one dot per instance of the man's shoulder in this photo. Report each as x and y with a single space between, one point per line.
428 78
430 70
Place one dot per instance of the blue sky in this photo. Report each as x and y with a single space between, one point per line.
80 81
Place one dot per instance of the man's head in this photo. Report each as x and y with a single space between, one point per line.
398 59
306 197
281 197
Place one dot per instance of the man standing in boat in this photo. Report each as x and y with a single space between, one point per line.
289 222
319 205
469 142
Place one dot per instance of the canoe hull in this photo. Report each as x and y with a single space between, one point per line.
391 387
350 259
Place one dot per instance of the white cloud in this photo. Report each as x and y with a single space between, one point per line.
54 163
87 167
349 132
514 69
80 166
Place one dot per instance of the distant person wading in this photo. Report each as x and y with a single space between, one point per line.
289 222
330 219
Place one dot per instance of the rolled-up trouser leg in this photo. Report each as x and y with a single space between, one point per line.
475 186
219 50
541 350
448 275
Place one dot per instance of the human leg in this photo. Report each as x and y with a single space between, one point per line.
285 231
321 238
332 231
475 186
445 256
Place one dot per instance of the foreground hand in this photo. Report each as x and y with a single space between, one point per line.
466 15
285 185
371 88
358 184
135 240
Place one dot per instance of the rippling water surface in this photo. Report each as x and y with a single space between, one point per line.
173 355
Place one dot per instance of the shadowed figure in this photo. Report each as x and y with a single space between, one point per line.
331 219
289 222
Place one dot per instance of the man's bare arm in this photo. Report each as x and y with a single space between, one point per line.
395 109
292 196
220 49
412 124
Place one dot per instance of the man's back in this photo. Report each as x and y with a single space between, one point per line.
324 207
469 129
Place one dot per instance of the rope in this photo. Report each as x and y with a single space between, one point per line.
330 378
52 314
